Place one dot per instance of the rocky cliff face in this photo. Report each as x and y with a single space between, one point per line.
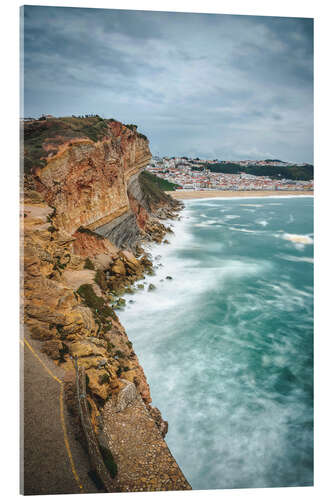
86 210
65 308
87 181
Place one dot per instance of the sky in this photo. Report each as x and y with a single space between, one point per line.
213 86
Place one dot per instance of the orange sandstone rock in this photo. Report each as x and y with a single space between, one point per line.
86 181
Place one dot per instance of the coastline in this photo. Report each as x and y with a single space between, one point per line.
74 279
192 194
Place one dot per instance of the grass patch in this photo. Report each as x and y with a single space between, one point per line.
96 479
163 184
97 304
109 461
55 131
120 354
134 128
100 280
58 265
91 299
104 379
89 265
110 346
50 217
153 190
64 350
60 329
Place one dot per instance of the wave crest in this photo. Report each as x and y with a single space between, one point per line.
302 239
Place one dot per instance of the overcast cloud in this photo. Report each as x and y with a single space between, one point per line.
214 86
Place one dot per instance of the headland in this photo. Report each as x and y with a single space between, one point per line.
86 209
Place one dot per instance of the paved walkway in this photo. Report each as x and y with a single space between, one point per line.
143 458
54 462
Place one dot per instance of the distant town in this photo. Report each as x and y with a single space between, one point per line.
243 175
198 174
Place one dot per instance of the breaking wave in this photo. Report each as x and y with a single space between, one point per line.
242 230
293 258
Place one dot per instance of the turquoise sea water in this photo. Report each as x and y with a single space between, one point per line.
227 344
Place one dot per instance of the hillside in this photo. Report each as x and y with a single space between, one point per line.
294 172
162 184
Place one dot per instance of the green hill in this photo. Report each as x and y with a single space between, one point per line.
163 184
293 172
153 191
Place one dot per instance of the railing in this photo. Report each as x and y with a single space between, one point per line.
93 446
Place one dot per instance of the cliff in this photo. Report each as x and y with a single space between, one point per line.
86 181
87 208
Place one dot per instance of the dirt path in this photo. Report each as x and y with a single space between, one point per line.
54 462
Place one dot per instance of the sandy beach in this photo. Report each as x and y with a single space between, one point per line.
191 194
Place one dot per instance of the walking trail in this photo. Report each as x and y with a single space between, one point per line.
143 458
53 462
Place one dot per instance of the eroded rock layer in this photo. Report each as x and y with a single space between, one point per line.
86 181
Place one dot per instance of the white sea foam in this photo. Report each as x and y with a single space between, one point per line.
286 297
262 222
293 258
232 217
243 230
230 198
250 205
205 202
231 363
189 284
279 361
302 239
207 223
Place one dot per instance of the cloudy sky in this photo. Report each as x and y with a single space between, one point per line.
213 86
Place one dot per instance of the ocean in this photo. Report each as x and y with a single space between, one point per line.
227 343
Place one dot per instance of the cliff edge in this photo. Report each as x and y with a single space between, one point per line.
86 209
